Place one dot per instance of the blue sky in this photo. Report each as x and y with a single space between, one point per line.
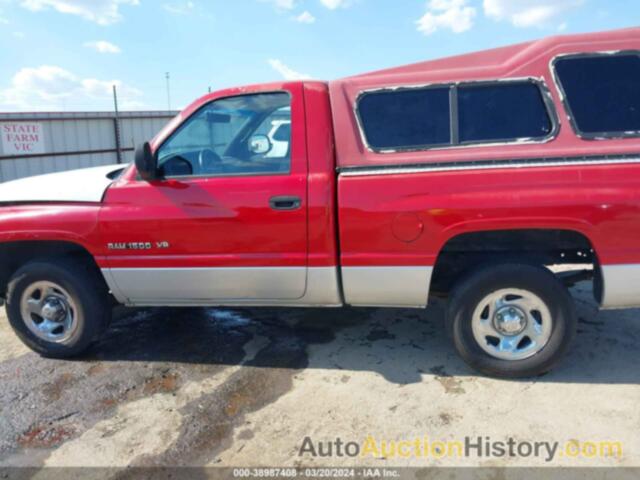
66 54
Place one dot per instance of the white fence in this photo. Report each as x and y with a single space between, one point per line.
36 143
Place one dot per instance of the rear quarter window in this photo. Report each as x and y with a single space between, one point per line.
601 93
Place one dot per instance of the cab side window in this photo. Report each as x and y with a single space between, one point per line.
231 136
602 93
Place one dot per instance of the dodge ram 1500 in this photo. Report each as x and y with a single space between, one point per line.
466 178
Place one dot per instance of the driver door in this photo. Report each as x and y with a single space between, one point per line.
227 222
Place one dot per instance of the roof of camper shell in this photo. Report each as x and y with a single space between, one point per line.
525 60
500 58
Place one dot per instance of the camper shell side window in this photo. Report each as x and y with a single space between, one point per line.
601 93
456 115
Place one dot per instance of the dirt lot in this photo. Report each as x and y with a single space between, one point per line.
244 387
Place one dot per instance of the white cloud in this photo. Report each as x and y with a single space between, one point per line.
333 4
282 4
305 17
454 15
287 72
102 12
179 8
528 13
4 21
102 46
50 87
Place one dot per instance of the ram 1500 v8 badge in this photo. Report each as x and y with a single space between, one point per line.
468 178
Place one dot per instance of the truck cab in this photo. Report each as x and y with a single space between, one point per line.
236 218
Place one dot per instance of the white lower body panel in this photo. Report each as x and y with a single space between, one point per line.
387 286
286 286
282 286
621 286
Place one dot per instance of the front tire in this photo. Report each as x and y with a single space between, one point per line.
511 320
57 308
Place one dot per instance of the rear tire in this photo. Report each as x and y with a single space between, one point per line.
58 307
511 320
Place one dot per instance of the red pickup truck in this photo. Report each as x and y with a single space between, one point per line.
466 178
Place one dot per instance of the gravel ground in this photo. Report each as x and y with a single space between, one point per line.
245 387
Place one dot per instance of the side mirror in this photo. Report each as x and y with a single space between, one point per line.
146 162
259 145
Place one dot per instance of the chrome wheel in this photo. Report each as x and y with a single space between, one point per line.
49 312
512 324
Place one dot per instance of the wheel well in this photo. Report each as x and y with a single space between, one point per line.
466 252
14 255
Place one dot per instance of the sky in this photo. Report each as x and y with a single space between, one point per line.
66 55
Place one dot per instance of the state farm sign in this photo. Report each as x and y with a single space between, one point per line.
22 138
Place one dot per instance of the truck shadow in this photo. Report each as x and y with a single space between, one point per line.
403 346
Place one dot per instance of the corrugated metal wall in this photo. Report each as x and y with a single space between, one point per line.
66 141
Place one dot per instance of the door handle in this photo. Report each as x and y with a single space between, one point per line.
285 203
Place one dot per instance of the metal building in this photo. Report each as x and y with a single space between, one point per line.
36 143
